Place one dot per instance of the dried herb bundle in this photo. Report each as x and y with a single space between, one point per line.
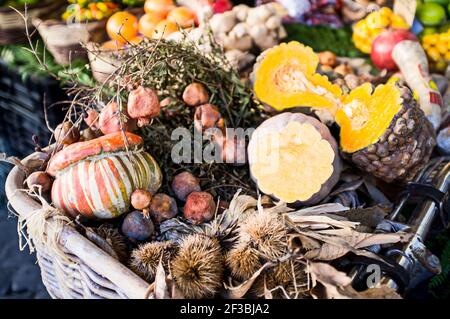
168 67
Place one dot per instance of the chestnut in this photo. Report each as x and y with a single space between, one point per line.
327 58
91 119
234 151
140 200
200 207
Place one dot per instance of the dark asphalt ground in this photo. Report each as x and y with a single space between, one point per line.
20 276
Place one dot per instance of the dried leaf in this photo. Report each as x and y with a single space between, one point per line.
238 292
297 241
350 186
339 242
383 292
337 285
321 209
360 240
370 216
267 292
327 252
175 292
279 208
241 203
161 287
326 274
375 193
323 221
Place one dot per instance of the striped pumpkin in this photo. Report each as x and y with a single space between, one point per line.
96 178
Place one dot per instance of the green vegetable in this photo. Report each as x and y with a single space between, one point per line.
324 38
18 3
25 62
133 3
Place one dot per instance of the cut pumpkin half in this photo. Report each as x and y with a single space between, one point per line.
385 132
294 158
285 77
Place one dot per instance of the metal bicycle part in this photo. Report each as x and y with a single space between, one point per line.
432 187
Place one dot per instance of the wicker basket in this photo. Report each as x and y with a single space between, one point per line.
12 26
93 275
64 41
103 63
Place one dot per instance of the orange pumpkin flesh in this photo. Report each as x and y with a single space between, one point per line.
294 158
284 77
383 132
364 117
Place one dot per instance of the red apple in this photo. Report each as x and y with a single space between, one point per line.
384 44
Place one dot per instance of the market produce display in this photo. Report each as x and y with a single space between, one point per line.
161 19
367 29
246 152
83 10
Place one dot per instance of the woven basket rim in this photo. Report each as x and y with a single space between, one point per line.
53 22
94 257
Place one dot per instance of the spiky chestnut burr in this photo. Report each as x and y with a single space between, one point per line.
115 239
198 267
145 259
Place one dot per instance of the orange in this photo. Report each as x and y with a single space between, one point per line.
182 16
148 23
111 45
136 40
122 26
164 28
161 6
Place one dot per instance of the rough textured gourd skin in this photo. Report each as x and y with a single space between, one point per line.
405 147
96 178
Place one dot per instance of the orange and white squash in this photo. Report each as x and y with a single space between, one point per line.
96 178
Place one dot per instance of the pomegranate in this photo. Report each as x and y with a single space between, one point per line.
384 44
